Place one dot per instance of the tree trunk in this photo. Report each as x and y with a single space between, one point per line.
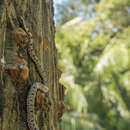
38 15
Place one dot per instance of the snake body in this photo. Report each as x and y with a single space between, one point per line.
31 104
31 51
36 86
36 60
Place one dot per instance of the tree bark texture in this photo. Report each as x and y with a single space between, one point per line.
38 15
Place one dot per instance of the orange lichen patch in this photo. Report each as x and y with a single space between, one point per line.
45 45
14 76
19 71
41 99
59 73
24 72
44 42
38 98
20 36
61 106
61 109
18 75
41 40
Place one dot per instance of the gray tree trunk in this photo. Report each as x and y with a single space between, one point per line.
38 15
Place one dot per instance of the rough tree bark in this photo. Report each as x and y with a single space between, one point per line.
38 15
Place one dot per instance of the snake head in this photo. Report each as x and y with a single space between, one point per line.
21 22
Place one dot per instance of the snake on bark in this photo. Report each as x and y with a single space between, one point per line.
36 86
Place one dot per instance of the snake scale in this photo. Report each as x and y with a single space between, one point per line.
36 86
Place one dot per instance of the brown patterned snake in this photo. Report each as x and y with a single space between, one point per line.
36 86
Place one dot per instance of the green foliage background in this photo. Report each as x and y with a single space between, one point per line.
94 55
